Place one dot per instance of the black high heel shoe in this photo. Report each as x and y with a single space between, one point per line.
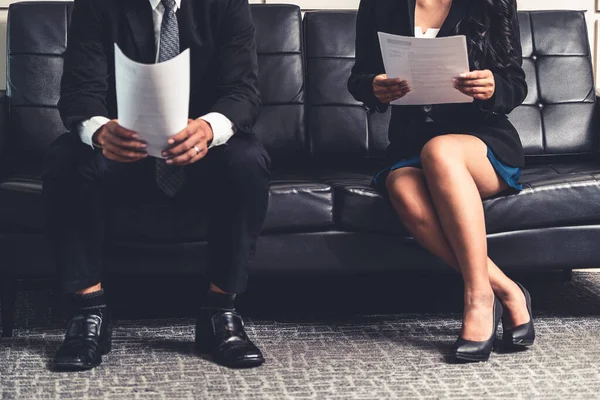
523 335
471 351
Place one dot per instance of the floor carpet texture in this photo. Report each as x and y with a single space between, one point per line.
321 355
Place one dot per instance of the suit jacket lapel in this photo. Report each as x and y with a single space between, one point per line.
187 24
139 16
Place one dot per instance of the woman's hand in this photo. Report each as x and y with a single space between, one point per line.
479 85
387 90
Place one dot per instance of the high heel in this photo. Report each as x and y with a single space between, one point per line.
471 351
523 335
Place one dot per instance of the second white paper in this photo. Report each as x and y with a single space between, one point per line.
153 99
429 66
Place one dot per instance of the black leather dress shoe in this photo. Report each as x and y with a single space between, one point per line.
521 336
221 333
88 338
471 351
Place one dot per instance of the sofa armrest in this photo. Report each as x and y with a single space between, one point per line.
597 116
3 122
3 130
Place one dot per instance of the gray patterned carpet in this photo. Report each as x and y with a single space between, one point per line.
333 346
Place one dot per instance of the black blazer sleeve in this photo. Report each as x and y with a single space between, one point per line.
239 96
368 63
511 88
84 81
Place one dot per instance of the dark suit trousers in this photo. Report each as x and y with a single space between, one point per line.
230 185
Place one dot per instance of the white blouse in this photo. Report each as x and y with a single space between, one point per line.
430 33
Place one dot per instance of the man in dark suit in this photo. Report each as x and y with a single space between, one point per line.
215 163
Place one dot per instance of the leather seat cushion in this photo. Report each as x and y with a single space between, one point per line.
357 206
297 204
554 195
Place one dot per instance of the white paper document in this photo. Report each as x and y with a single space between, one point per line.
153 99
428 65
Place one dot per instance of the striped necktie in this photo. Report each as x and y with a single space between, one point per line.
169 179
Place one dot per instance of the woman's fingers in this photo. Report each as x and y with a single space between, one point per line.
399 93
473 82
483 74
479 93
391 82
477 84
474 90
392 92
389 97
390 85
383 80
386 89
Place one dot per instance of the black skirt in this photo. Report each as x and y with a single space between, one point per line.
408 131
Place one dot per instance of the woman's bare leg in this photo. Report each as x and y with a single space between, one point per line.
412 200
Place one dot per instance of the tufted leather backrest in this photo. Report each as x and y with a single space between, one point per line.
556 118
338 125
281 126
37 38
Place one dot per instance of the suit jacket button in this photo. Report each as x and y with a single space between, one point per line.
427 108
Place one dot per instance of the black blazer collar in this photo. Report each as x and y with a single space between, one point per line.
139 16
458 11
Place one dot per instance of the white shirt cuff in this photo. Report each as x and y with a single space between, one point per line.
223 129
88 127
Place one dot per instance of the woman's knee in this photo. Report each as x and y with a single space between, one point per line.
441 154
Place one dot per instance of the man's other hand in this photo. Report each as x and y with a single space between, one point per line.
119 144
189 145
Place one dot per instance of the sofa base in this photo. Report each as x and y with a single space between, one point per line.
8 295
312 254
567 275
559 248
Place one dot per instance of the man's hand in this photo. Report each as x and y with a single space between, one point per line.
119 144
189 145
387 90
480 85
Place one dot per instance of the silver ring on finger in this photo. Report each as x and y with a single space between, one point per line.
197 150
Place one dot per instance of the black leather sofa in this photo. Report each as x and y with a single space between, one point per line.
323 216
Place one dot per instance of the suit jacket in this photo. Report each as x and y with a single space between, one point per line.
219 34
484 119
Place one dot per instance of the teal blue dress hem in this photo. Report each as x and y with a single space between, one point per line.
509 174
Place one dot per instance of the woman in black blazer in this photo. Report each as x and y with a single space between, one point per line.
443 159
